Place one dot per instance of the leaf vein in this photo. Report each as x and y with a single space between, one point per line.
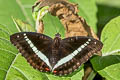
10 67
21 72
24 12
7 51
118 37
3 69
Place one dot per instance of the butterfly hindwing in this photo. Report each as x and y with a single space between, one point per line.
75 51
31 45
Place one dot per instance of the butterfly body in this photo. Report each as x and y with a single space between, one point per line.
59 56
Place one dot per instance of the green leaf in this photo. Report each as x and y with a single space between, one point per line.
40 12
22 26
88 10
108 64
4 32
23 71
52 25
107 10
78 76
18 8
26 8
7 52
113 3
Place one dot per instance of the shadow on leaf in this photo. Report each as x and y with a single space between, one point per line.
101 62
105 14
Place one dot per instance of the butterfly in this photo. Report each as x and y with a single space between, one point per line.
57 56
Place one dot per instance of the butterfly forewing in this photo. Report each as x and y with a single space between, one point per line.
75 51
33 46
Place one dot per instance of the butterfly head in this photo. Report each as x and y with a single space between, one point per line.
57 35
57 40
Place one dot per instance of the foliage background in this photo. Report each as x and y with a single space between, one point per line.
97 13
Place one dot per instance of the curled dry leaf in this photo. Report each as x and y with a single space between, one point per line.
40 27
73 23
43 3
67 13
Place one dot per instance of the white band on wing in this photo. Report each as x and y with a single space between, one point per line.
69 57
37 52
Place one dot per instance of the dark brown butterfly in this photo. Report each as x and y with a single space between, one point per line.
59 56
